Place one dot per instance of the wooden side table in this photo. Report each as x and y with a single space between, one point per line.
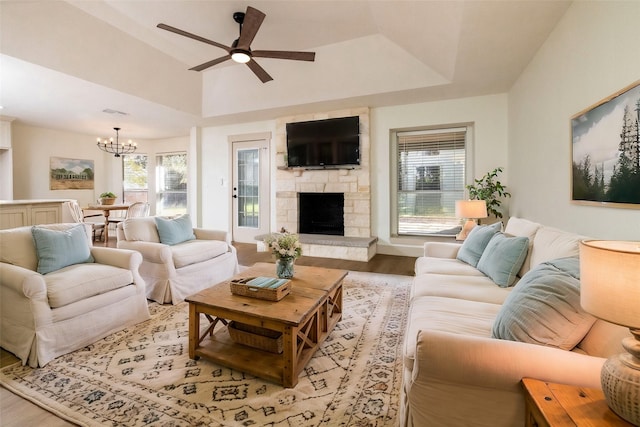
551 405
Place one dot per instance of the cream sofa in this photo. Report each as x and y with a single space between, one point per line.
454 372
174 271
47 315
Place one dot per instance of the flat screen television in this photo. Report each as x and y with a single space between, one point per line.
324 143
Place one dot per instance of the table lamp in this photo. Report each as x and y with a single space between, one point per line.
471 210
610 290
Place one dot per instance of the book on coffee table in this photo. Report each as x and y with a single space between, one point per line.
261 287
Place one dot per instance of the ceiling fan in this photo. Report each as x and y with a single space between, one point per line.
240 50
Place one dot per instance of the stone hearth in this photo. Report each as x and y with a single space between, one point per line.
337 247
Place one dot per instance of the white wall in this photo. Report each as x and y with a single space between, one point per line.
215 172
489 117
591 54
6 160
487 113
33 147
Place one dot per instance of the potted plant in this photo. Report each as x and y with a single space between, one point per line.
107 198
286 248
489 189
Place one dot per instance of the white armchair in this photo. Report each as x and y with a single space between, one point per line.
174 271
47 315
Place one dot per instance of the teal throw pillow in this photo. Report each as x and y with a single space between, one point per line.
503 257
544 307
175 230
57 249
476 241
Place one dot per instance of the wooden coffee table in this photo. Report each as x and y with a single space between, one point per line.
305 318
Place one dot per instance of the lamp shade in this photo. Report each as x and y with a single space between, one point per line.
610 281
471 209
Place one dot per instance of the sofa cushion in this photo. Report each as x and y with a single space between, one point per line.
544 307
57 249
476 241
175 230
141 229
450 315
472 288
524 228
550 243
604 339
428 265
193 251
82 281
503 257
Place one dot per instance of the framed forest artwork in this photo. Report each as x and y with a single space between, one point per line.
70 174
605 151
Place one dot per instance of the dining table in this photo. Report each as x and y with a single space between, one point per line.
106 211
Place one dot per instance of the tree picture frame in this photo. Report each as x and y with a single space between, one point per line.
605 151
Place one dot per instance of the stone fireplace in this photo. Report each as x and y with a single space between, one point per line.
353 184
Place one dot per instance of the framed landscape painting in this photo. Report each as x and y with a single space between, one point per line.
70 174
605 151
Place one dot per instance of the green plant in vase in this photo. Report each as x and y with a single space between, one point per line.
489 189
107 198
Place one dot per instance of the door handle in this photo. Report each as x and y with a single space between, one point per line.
235 196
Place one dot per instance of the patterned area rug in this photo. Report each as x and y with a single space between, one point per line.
143 375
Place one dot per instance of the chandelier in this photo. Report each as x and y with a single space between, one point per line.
115 147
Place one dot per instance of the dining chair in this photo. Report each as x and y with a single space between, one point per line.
137 209
78 216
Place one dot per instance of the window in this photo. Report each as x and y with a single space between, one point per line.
135 179
248 187
171 184
429 178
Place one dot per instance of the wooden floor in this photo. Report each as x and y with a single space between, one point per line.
18 412
386 264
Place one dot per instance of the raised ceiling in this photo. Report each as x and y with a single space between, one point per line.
63 63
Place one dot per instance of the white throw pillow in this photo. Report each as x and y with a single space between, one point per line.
550 243
523 228
141 229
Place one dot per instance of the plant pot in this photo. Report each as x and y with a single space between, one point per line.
107 200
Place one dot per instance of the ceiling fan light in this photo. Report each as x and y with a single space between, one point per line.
240 57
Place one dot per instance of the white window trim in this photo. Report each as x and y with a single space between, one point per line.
393 175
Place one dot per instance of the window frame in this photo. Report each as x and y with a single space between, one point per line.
158 180
147 190
394 168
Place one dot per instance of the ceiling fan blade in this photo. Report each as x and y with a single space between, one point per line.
285 54
259 71
193 36
210 63
252 20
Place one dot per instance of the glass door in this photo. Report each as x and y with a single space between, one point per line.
250 190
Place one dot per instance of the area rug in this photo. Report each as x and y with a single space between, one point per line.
143 375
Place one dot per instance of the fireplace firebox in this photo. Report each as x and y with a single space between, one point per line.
321 213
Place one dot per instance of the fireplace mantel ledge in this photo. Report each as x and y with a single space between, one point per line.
339 247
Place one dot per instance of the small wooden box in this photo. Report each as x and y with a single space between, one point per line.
243 288
256 337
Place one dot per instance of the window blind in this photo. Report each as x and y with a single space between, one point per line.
431 166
